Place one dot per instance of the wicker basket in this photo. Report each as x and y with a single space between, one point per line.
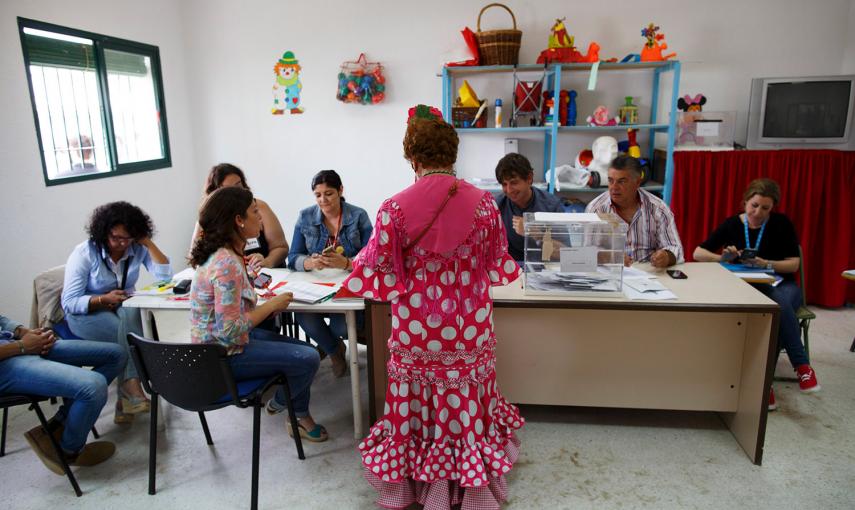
462 117
499 47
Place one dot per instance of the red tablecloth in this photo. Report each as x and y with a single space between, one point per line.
817 193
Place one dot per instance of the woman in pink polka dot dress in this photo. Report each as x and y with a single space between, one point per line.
447 435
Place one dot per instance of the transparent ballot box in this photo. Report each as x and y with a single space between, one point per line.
572 254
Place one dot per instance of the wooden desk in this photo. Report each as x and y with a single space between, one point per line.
712 349
349 307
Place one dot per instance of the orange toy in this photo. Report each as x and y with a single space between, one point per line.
652 49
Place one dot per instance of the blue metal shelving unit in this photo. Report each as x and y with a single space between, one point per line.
551 132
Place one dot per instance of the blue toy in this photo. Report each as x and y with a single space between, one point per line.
571 109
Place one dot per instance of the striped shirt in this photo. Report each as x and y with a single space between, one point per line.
652 227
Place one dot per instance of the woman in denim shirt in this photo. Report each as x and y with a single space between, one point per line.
328 235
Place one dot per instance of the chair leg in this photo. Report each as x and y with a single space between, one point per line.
298 441
806 339
205 428
3 440
152 445
95 433
256 439
57 449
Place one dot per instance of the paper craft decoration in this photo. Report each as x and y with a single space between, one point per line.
286 90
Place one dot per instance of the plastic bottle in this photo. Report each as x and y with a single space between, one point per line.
498 113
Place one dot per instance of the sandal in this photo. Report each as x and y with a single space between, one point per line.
318 434
134 405
121 417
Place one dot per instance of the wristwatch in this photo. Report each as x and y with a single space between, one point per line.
769 266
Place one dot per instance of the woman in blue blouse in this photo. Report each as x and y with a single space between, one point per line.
328 235
100 274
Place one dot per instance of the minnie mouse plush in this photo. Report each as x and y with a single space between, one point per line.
686 129
688 103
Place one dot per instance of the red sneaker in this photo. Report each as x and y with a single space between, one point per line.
772 404
807 378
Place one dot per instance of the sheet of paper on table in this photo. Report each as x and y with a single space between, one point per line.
645 289
306 292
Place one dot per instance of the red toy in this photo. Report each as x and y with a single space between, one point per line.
562 49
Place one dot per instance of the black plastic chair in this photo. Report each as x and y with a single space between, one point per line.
197 377
12 400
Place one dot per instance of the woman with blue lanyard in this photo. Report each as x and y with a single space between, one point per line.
100 274
327 236
761 238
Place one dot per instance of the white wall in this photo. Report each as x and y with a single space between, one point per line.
217 65
40 224
722 44
848 66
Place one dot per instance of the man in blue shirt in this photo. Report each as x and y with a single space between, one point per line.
515 174
35 362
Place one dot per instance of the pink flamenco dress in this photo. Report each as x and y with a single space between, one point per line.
446 438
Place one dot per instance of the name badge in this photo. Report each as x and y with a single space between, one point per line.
252 244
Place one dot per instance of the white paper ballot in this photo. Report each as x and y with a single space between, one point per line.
578 260
706 128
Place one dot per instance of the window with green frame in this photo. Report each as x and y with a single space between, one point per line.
97 102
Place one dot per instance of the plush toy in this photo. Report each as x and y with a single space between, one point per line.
655 44
687 129
601 118
688 103
286 90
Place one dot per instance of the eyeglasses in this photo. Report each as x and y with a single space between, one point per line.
120 239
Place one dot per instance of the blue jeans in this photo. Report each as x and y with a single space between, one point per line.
789 297
109 326
268 354
327 336
58 374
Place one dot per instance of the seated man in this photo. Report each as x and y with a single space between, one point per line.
35 362
652 235
515 174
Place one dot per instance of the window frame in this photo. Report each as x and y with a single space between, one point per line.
101 43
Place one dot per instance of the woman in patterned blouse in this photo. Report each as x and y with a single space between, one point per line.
223 306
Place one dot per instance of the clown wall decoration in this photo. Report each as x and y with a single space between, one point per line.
286 90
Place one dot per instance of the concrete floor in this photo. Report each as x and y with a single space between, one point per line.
571 458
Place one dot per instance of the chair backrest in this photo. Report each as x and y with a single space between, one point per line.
190 376
46 309
802 276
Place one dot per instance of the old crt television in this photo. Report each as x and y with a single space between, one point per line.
813 112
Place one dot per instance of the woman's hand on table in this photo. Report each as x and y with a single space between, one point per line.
281 302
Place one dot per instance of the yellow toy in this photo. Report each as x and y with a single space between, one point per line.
559 37
468 98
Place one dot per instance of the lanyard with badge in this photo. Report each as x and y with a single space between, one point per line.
757 241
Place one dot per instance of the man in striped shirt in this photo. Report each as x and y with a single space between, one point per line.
651 235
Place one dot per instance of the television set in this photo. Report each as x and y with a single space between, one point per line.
814 112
